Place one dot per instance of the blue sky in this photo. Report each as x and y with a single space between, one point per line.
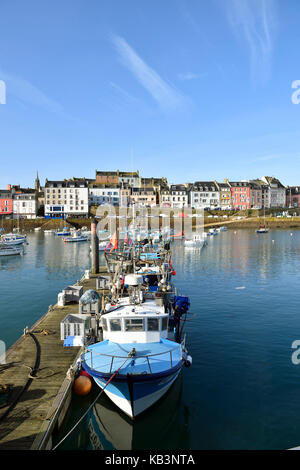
188 89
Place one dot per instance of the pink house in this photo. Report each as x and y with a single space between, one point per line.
240 195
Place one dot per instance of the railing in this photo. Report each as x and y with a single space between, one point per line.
134 356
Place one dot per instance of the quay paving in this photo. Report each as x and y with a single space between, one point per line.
22 426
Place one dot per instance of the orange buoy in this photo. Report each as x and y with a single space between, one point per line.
82 385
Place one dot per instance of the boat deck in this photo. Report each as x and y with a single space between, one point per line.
24 426
161 356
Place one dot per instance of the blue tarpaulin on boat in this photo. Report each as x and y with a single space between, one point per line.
183 303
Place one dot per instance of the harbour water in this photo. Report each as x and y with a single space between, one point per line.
241 391
30 283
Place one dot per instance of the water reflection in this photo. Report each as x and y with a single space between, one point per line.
105 427
243 251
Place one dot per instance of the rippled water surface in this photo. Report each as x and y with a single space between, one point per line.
242 391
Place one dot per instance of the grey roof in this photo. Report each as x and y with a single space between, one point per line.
272 180
204 186
66 184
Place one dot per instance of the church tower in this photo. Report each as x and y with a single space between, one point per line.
37 185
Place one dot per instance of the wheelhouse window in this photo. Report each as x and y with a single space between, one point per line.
104 324
164 325
153 324
115 324
134 324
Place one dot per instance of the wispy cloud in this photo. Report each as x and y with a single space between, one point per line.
163 93
28 93
125 95
190 76
254 21
279 156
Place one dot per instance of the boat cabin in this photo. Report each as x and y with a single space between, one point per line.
135 325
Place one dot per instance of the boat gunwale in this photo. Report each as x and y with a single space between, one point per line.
146 377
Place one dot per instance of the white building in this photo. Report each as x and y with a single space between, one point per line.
25 205
204 195
68 198
277 192
104 195
132 179
178 195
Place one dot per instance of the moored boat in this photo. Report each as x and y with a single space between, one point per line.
135 343
262 229
7 250
134 359
196 241
13 239
75 238
64 233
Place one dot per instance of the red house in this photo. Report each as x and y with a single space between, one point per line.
240 195
6 202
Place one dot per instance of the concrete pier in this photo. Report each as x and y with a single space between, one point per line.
42 406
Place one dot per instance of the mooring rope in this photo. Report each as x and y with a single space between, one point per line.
96 399
29 380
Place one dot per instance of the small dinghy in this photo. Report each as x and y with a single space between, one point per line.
262 229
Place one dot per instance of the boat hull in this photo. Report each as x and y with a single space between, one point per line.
134 396
75 240
14 242
10 252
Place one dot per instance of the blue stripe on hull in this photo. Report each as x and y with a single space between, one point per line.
119 389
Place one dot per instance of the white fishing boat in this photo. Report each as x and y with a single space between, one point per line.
37 229
212 232
135 343
196 241
64 233
103 245
86 233
49 231
13 239
7 250
75 238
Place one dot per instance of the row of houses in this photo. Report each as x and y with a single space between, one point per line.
22 202
267 192
74 197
